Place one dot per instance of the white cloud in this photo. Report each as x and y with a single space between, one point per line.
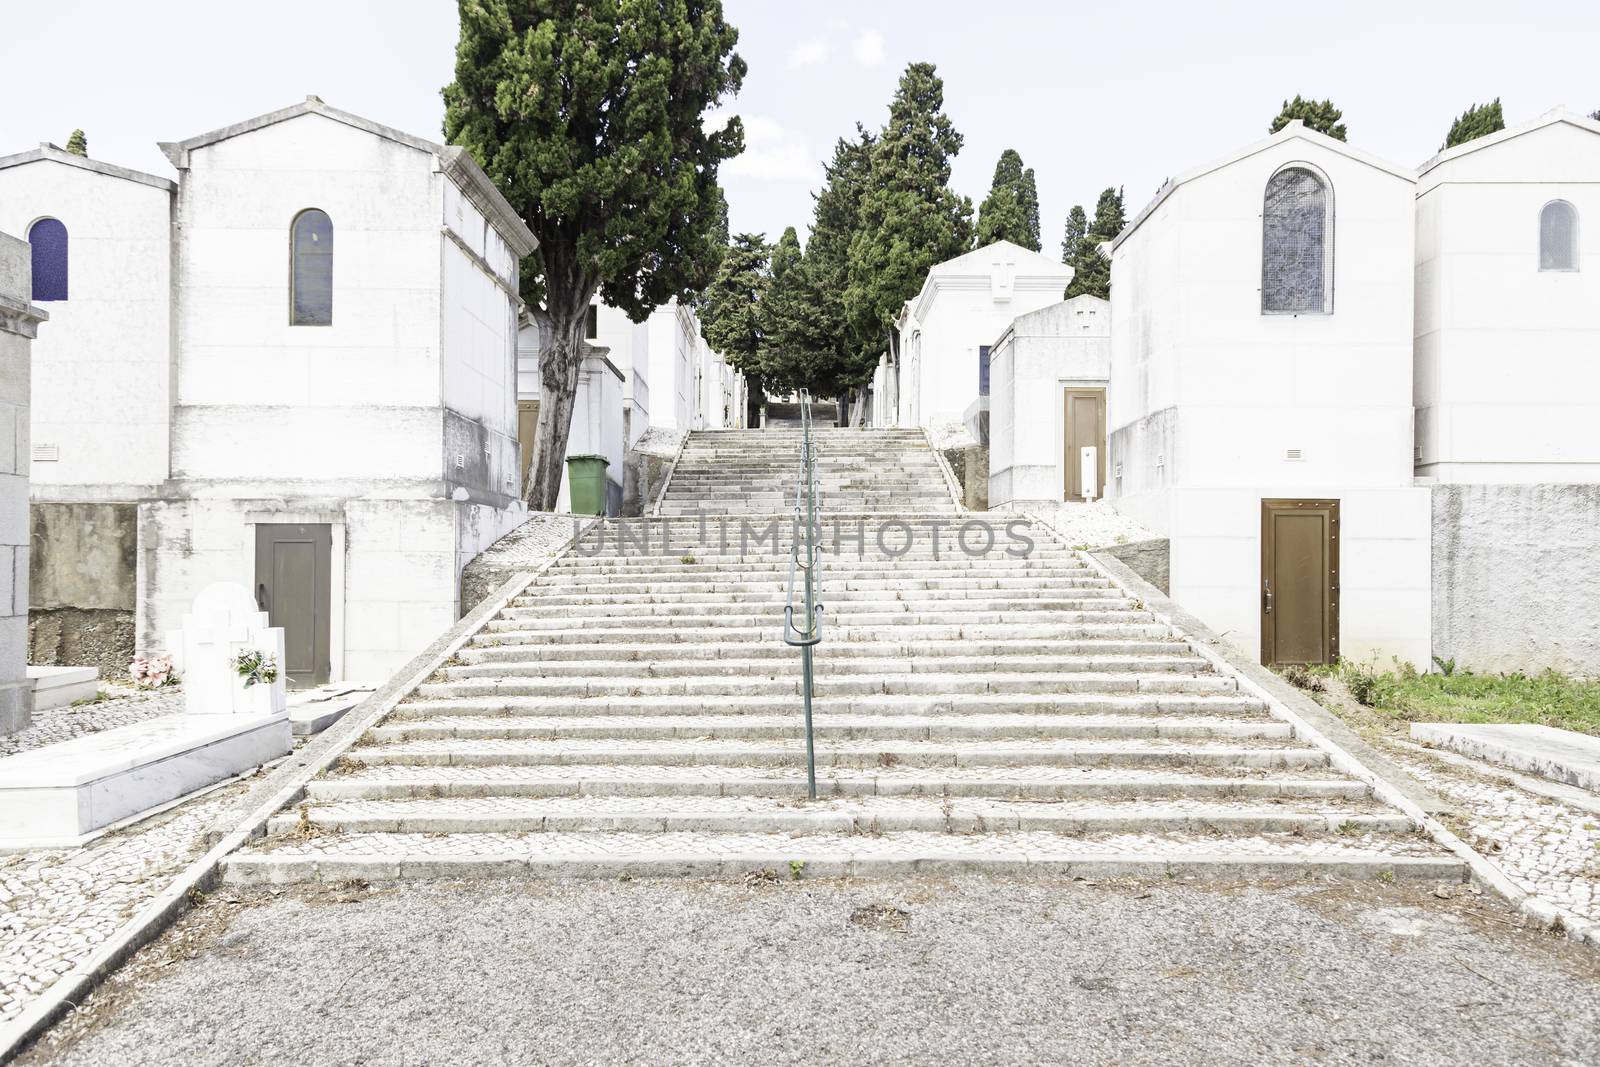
809 53
867 49
772 151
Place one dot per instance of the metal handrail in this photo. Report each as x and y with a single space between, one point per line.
806 639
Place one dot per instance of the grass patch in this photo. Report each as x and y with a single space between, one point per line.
1403 694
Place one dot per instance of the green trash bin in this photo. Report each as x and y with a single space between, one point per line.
586 484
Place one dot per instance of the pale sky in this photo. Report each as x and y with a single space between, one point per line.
1090 94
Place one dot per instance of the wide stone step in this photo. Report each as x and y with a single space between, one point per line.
1050 703
845 616
662 664
385 857
776 592
568 583
778 681
828 727
1094 655
839 607
834 634
1350 819
351 780
1238 753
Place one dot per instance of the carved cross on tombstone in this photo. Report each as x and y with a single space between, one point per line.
1001 273
224 623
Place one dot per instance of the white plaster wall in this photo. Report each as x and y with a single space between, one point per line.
1207 396
1507 379
1059 346
597 422
236 349
965 303
101 387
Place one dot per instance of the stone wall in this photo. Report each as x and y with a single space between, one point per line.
82 585
1150 560
19 321
1516 577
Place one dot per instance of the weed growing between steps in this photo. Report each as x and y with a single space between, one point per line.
1403 695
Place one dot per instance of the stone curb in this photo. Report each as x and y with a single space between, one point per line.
1321 727
666 483
951 483
249 818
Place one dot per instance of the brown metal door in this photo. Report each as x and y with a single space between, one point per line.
1299 581
292 587
1083 426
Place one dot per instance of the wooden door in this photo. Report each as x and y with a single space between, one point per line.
1299 581
292 586
1083 425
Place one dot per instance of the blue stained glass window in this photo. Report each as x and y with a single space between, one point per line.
311 269
983 370
49 240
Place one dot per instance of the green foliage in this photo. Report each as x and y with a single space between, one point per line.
1595 115
1077 229
590 119
1011 210
1460 695
790 320
732 319
1091 270
1477 121
910 218
1322 117
78 144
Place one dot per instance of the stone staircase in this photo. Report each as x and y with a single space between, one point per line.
635 711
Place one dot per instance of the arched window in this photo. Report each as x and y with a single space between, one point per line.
311 269
1558 236
1297 244
49 240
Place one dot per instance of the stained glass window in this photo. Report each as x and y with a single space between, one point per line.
49 240
1558 236
1296 266
311 269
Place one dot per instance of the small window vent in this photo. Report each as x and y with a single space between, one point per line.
1294 455
46 453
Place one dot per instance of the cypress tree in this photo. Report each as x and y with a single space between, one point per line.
910 217
1477 121
1077 230
1011 210
1323 117
731 318
590 118
1091 270
78 144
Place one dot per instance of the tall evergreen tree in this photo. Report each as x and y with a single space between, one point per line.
1477 121
591 120
787 318
78 144
1091 270
731 317
808 330
1011 210
1323 117
1077 230
910 217
1595 115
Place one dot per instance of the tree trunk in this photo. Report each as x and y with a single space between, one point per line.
560 357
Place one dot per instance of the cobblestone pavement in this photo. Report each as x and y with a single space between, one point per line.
122 706
58 905
1548 848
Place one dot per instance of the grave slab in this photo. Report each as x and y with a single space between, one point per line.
59 795
1559 755
57 687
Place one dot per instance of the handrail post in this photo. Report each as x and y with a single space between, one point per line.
808 638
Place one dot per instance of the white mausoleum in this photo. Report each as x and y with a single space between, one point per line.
296 366
938 372
1260 399
1048 373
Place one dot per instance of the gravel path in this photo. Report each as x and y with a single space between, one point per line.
959 971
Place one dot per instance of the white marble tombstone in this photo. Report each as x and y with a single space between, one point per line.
223 623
